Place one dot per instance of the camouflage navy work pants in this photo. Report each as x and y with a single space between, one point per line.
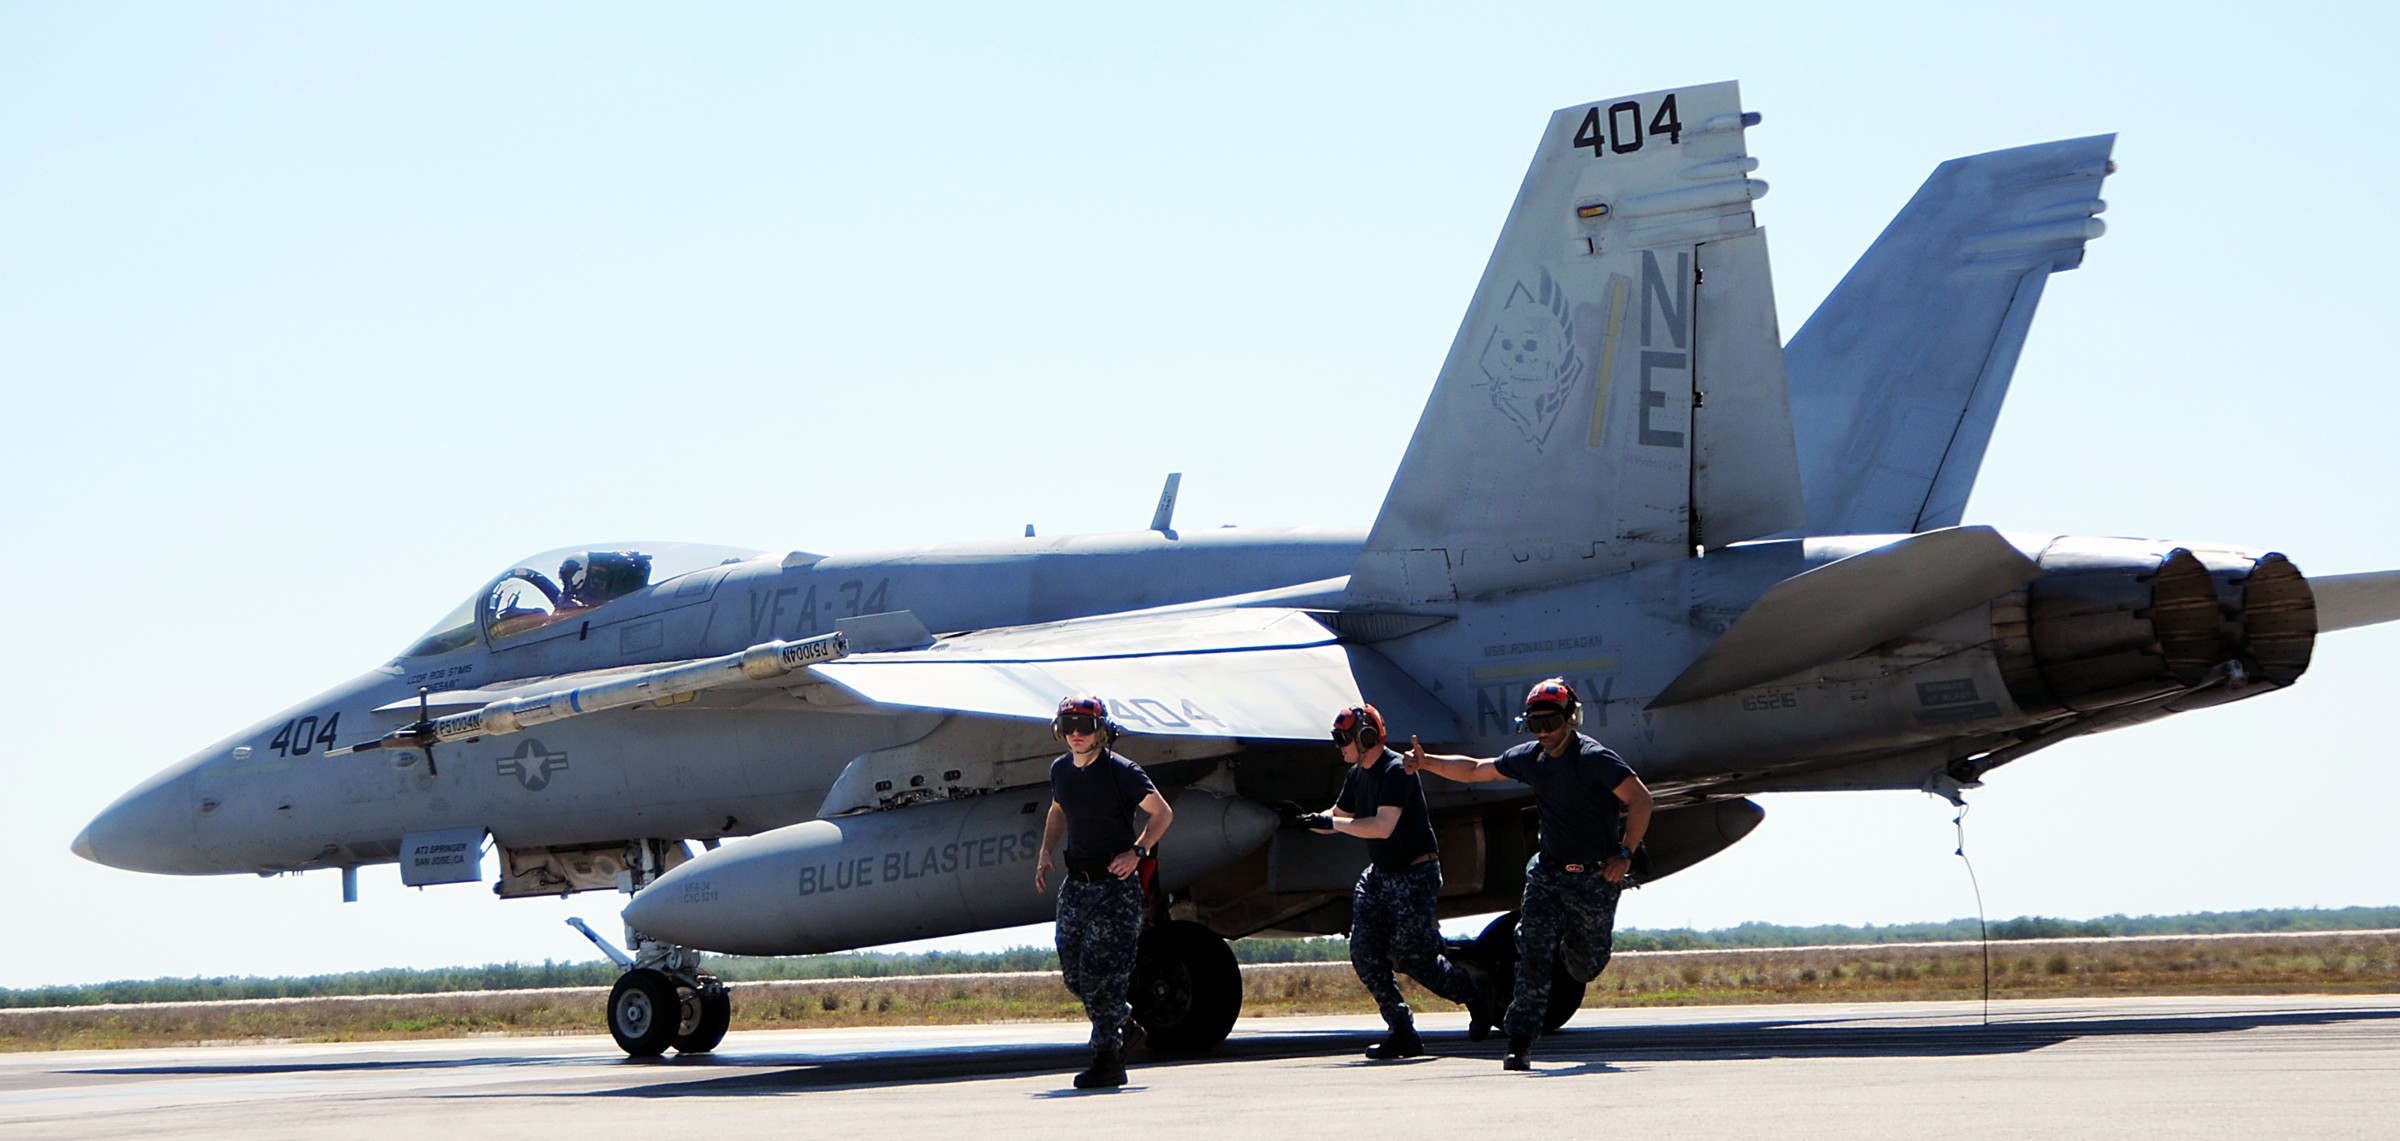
1392 923
1569 916
1099 929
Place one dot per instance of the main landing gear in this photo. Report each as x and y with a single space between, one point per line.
1187 988
1495 950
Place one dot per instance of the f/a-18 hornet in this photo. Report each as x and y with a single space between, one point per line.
1747 555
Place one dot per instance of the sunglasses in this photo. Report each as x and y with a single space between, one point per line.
1342 737
1538 723
1078 723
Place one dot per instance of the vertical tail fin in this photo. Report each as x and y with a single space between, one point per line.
1614 395
1898 377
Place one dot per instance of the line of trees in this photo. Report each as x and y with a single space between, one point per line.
854 964
1752 935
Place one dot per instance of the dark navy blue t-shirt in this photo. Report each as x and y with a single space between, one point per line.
1576 793
1099 800
1368 788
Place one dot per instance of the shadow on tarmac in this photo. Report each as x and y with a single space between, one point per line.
1598 1050
1590 1050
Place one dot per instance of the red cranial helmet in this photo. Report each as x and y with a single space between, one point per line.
1363 722
1083 713
1551 696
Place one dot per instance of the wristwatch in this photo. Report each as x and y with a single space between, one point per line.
1624 853
1141 851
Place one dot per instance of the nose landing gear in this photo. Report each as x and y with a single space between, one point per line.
650 1010
663 999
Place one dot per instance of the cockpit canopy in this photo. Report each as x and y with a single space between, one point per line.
570 582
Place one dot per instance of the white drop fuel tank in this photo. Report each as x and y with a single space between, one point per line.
907 873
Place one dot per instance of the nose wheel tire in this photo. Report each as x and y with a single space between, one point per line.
644 1012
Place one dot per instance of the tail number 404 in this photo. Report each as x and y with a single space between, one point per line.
1620 129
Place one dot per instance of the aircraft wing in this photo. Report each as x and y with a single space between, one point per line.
1227 672
1246 673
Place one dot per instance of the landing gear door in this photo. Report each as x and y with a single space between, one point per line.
446 855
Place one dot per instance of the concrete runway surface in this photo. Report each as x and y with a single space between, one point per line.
2135 1067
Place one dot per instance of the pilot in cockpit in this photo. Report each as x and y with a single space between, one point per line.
592 578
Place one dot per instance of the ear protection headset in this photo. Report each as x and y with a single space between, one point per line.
1554 691
1366 720
1084 705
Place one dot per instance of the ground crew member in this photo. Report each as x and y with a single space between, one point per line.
1392 908
1093 795
1594 812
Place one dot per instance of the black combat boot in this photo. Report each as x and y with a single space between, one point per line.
1400 1043
1520 1053
1107 1072
1485 1008
1134 1037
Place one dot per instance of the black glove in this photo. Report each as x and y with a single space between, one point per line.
1312 821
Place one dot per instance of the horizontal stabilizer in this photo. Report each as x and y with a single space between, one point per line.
1853 604
2348 601
1255 673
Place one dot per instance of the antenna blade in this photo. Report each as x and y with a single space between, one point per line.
1164 518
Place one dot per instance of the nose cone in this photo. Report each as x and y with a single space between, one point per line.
147 830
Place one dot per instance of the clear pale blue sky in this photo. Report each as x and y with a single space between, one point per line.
312 317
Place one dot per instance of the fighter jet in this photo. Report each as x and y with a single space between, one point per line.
1748 556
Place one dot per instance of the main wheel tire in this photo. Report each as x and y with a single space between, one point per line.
1187 988
707 1014
643 1012
1497 950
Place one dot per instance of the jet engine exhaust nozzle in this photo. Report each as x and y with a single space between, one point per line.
2115 622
